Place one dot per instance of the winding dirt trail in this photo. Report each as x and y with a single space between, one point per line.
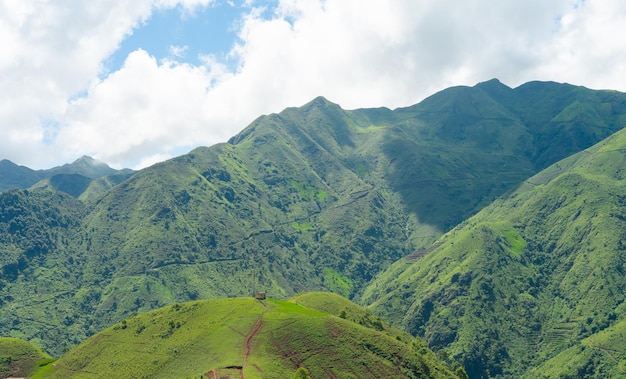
607 352
247 342
231 371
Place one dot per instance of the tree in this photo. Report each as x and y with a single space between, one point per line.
302 373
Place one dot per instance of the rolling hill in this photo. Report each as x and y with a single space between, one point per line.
311 198
19 358
233 338
535 280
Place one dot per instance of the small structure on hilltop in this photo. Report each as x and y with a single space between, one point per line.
260 295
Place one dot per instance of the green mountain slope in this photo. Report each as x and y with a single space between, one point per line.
86 166
232 338
602 355
19 358
80 186
526 278
39 274
312 198
14 176
72 184
73 178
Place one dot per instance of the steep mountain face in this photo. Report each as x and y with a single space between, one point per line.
312 198
533 274
233 338
39 272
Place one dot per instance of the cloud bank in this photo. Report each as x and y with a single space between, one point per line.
60 102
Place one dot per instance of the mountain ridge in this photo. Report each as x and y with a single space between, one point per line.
83 170
531 275
311 198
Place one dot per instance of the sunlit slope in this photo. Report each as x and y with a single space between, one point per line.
601 355
529 276
250 338
312 198
19 358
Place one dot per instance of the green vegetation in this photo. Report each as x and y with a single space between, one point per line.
243 336
336 282
318 198
515 241
302 226
302 373
533 284
84 178
19 358
602 355
308 192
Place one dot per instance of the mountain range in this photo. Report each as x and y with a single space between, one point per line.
484 219
533 277
85 176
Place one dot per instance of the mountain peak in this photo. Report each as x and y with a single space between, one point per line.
86 166
320 101
496 89
7 163
493 83
87 160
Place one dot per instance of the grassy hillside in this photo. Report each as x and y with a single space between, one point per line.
72 184
19 358
602 355
232 338
311 198
528 277
80 186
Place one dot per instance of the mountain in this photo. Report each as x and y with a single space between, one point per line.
73 178
600 355
14 176
20 358
80 186
312 198
86 166
533 281
230 338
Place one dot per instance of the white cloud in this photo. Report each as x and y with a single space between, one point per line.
189 6
143 109
178 51
588 48
356 53
49 53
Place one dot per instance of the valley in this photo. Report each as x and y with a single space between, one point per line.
486 221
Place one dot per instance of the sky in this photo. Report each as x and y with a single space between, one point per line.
133 83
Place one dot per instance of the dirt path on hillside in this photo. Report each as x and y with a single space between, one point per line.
611 356
233 372
607 352
247 342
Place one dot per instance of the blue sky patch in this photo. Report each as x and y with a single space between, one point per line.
178 35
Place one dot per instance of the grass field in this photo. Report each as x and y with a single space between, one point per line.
19 358
244 337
